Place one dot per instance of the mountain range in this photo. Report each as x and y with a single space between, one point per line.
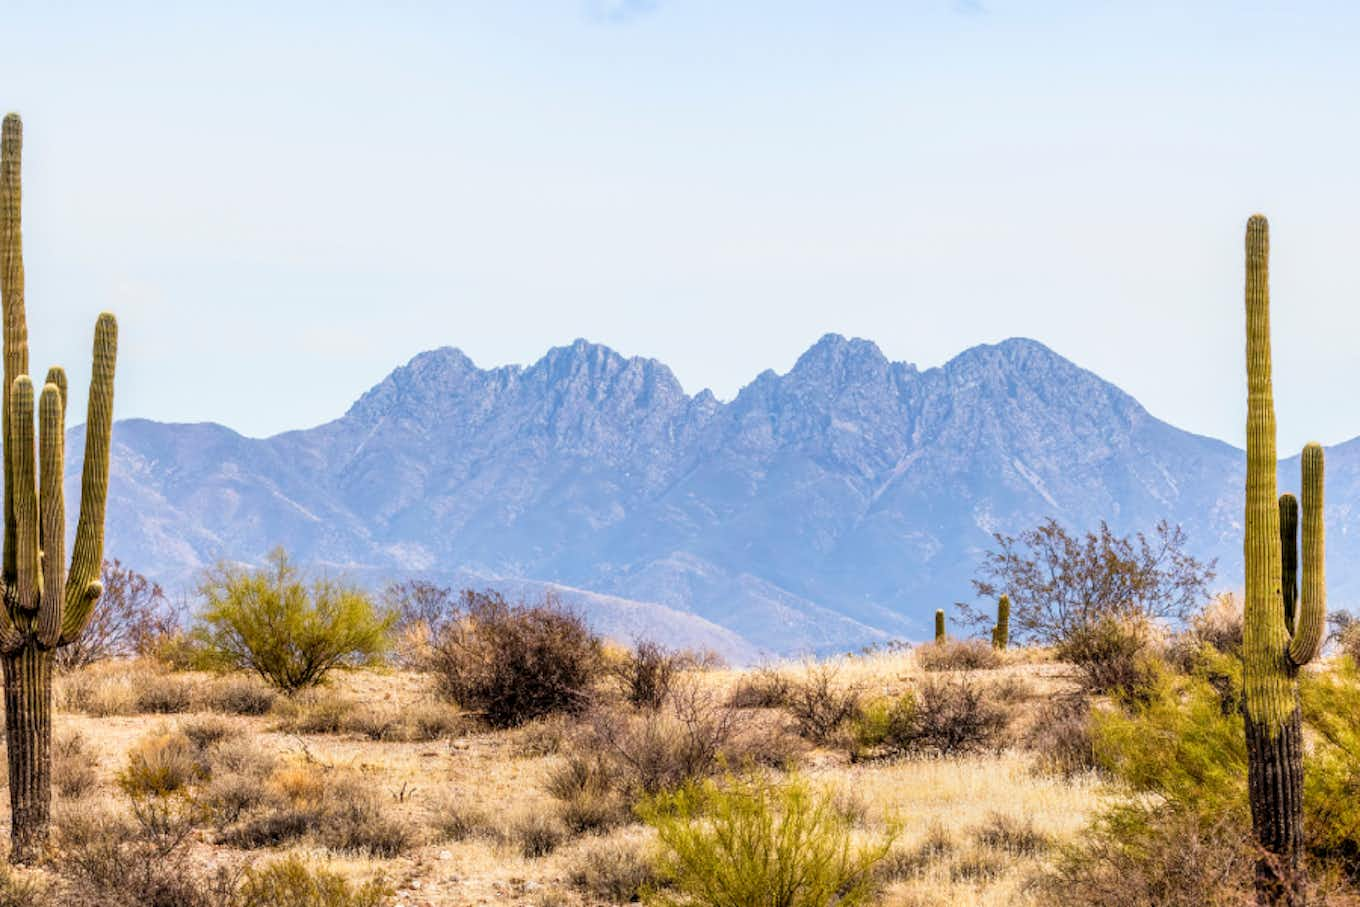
823 509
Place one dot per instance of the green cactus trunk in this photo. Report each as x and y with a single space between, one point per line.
1001 633
939 626
44 604
1281 634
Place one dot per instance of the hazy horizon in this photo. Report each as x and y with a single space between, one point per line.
284 205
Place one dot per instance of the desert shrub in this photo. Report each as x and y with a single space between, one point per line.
453 818
132 616
820 705
1013 836
235 695
1061 739
423 721
1059 582
313 712
206 731
1111 656
162 763
763 688
355 820
753 842
1172 857
958 655
1331 704
941 717
291 881
1219 624
111 863
18 890
1179 744
541 737
105 688
646 673
513 663
288 632
73 766
532 833
337 810
651 751
615 872
588 792
901 862
165 694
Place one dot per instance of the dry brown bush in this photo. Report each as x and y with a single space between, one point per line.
73 766
821 705
509 664
646 673
317 711
1061 737
958 655
614 872
764 687
235 694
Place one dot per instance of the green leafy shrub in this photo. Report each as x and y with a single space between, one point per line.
291 881
751 842
511 663
1331 704
288 632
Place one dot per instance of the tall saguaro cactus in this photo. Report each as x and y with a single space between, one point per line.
44 604
1280 634
940 635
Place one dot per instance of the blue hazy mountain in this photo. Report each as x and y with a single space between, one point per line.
829 507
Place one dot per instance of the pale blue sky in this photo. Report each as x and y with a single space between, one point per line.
283 206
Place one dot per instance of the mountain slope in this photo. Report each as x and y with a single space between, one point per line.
832 506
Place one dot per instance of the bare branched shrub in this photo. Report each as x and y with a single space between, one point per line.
509 664
958 655
132 617
943 717
647 672
1016 837
589 793
821 705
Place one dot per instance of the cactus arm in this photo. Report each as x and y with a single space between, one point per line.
15 324
28 585
87 556
52 502
1312 613
57 375
1289 556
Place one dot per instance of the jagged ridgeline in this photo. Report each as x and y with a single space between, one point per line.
45 604
1280 634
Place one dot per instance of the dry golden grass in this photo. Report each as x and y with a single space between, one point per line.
498 780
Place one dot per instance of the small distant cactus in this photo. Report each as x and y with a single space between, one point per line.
939 626
1001 633
44 607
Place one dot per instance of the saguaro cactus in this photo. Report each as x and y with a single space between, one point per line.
939 625
1280 635
44 606
1001 633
